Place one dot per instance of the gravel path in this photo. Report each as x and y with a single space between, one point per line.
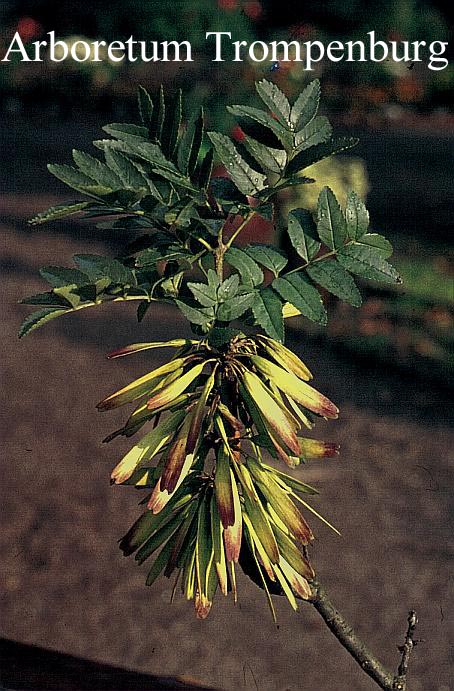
65 585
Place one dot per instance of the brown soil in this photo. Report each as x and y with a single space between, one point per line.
65 585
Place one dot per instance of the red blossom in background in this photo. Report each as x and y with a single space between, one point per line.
253 9
227 5
237 133
28 28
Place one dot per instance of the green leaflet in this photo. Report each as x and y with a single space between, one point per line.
36 319
59 211
50 299
331 225
368 262
357 217
267 157
234 307
303 233
317 131
171 130
269 256
95 267
316 153
248 181
189 148
377 241
77 180
297 289
228 288
266 120
145 106
267 309
306 105
96 170
276 101
126 132
205 170
250 272
158 117
331 275
204 293
59 276
202 317
127 171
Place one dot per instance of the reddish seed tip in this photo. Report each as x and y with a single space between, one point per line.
103 406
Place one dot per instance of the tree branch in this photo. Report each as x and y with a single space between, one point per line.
386 680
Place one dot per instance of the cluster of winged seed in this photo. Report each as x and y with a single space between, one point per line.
212 501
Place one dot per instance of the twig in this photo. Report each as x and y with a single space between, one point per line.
400 682
347 637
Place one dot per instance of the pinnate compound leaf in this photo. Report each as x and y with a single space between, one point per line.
248 180
267 309
36 319
59 211
299 291
268 256
276 101
306 105
331 226
302 231
368 262
331 275
357 217
250 272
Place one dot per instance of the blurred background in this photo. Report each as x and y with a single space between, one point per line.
389 364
